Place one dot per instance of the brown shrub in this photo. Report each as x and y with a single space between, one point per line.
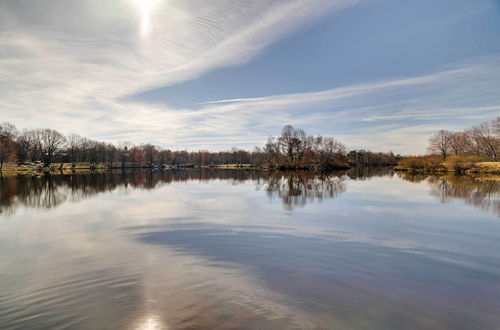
461 163
412 163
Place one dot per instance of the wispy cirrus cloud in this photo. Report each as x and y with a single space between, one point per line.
71 65
75 67
397 114
104 52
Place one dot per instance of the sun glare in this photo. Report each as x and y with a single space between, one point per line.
151 322
146 4
146 7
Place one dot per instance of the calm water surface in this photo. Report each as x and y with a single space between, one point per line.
249 250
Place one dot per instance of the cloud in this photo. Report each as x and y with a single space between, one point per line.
397 114
73 67
106 56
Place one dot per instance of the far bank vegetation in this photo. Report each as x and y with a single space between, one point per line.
47 149
474 150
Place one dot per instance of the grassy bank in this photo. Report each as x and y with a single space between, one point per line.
453 164
57 167
68 167
486 168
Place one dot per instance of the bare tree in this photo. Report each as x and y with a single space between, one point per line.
8 130
49 143
26 146
293 142
74 148
486 142
151 153
495 127
165 157
482 141
458 143
272 150
327 152
8 133
111 154
441 143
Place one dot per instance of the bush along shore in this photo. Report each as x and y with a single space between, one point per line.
474 150
455 164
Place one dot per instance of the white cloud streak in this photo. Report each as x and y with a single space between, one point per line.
73 64
72 67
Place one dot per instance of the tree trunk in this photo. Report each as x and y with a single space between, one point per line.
47 161
1 165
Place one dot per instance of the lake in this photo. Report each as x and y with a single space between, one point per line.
229 249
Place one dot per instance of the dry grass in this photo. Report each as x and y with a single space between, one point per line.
486 167
13 168
454 163
495 165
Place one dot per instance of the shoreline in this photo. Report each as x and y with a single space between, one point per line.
67 167
478 168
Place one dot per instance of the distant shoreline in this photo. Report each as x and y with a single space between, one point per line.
67 168
81 168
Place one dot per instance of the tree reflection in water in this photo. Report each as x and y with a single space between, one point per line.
294 189
368 172
481 192
33 192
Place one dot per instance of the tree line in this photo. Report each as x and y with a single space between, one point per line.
45 146
473 150
482 141
293 149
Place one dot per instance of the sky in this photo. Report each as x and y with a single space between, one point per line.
195 74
